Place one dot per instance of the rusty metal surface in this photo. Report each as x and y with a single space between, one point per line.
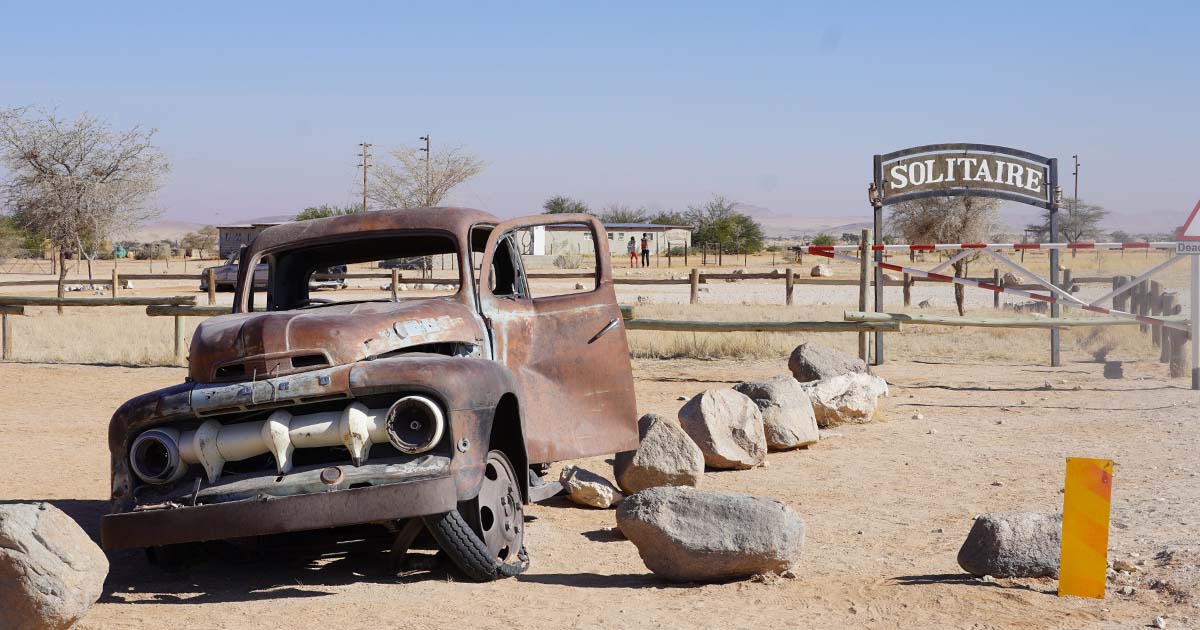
257 517
577 397
259 345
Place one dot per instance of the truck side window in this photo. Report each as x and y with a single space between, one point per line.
507 277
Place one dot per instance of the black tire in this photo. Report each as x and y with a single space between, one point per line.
462 546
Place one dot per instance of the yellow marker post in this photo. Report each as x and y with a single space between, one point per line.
1086 503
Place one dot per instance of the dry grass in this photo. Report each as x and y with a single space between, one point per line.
913 343
121 335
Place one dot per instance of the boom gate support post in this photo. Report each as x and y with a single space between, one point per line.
1194 315
1055 309
876 193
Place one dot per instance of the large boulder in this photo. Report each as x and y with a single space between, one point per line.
813 362
787 412
50 571
849 398
687 535
665 457
1014 544
587 488
728 428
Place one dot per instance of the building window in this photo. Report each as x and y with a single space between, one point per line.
610 236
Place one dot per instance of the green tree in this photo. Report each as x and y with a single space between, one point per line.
670 217
823 239
1120 236
1077 221
202 240
324 211
559 204
618 213
12 238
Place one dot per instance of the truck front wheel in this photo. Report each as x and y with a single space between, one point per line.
485 537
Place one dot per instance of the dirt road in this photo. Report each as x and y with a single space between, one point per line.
887 506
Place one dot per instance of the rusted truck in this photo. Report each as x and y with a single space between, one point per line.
422 413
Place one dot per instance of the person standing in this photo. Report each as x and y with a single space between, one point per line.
645 250
632 247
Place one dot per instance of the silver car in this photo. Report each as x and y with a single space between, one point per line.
225 276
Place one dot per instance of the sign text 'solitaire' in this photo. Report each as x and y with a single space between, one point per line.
963 170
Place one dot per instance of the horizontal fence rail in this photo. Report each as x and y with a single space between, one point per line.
985 322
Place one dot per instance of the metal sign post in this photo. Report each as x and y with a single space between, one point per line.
965 170
1189 243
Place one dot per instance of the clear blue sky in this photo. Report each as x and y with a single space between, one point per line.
260 106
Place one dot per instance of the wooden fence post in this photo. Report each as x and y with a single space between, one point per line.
395 285
1120 301
1168 302
6 332
1143 303
179 355
789 284
1155 308
908 290
695 284
116 281
212 285
996 281
864 283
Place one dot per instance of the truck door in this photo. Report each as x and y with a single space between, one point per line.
568 352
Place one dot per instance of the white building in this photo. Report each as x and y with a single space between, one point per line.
559 239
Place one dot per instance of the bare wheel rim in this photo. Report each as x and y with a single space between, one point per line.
499 513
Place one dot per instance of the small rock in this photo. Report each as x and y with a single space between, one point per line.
1015 544
821 271
578 286
587 488
1160 622
1011 278
50 570
1125 565
681 398
918 416
665 457
728 428
787 413
1113 370
848 398
997 483
940 530
687 535
987 578
926 304
999 422
931 432
1127 590
814 362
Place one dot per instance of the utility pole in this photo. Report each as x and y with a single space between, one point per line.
426 150
366 154
1076 174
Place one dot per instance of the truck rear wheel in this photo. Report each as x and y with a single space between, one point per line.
485 537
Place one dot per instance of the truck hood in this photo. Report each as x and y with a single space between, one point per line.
246 346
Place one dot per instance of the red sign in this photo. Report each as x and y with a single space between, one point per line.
1191 228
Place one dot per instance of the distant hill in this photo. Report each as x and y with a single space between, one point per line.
165 230
780 225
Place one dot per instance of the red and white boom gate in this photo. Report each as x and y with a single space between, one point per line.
1057 295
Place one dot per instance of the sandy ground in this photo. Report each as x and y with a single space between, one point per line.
887 506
